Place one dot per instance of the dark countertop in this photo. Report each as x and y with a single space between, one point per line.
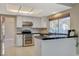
54 38
47 33
58 38
46 36
50 33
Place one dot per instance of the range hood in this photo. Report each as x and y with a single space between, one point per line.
27 24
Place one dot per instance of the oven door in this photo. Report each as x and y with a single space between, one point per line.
27 40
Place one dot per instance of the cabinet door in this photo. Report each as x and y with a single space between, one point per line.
37 46
60 47
19 21
19 40
37 23
44 22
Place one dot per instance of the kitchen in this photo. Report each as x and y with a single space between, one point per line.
28 34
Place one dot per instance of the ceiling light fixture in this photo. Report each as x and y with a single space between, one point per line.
27 12
18 9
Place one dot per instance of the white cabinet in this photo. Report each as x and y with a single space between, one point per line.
40 23
36 23
59 47
37 46
56 47
19 40
44 22
19 21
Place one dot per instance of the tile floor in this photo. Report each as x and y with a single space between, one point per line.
21 51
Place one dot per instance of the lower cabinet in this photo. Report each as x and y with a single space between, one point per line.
19 40
56 47
59 47
37 47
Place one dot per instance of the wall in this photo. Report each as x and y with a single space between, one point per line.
74 13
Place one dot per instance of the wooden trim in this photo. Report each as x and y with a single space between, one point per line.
59 15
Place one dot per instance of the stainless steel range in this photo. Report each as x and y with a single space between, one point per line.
24 35
27 38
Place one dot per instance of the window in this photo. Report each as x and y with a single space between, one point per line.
54 26
60 26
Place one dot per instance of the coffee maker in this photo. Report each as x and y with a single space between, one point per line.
71 32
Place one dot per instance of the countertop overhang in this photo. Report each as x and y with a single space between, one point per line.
53 38
46 36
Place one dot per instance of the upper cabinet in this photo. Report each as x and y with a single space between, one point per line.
37 22
41 23
44 22
19 21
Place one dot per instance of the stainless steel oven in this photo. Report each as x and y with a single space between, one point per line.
27 38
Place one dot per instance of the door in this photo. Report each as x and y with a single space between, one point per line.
10 35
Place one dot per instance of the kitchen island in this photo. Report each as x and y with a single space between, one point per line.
55 46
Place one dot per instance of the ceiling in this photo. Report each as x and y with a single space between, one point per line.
68 4
33 9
